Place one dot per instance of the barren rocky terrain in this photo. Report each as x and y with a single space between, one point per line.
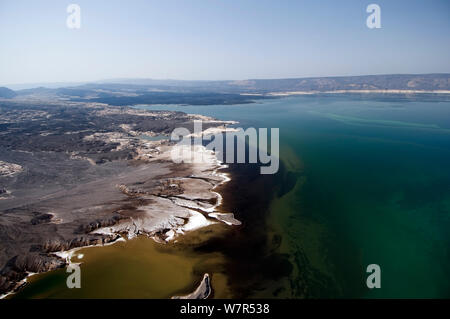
78 174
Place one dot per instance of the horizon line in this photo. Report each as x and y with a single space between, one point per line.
110 80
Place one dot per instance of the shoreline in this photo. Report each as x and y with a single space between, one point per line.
66 255
199 216
389 91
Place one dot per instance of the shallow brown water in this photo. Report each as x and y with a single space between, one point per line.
137 268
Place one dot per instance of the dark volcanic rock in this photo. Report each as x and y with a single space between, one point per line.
61 195
41 218
18 267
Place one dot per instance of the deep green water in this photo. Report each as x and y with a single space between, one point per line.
365 180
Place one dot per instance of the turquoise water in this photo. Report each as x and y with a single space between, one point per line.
365 180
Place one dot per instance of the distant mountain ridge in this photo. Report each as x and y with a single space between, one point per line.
426 82
150 91
433 81
7 93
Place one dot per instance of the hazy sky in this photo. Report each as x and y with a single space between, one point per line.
219 39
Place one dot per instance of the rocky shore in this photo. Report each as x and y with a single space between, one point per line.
202 292
102 184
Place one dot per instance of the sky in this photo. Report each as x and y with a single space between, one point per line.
219 39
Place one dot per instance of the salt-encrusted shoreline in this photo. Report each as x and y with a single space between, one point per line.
202 292
67 256
20 284
387 91
186 201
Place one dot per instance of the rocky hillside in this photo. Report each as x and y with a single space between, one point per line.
7 93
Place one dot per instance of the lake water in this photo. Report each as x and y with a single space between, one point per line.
364 180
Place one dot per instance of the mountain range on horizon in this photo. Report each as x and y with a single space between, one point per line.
392 81
142 91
